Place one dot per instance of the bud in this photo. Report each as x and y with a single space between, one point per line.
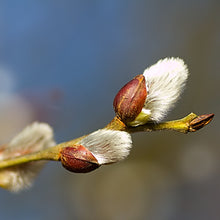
108 146
200 121
78 159
166 80
150 96
130 99
34 138
98 148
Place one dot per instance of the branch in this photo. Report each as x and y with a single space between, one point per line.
190 123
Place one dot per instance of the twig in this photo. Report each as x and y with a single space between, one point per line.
190 123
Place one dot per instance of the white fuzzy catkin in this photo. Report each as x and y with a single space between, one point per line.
35 137
165 81
108 146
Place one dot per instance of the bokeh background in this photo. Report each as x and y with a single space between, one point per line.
62 62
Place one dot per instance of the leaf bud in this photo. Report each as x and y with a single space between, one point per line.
200 121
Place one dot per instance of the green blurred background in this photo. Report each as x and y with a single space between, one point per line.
62 62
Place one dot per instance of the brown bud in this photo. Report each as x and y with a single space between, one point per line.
78 159
130 99
200 121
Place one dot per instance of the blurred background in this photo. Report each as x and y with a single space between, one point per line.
62 62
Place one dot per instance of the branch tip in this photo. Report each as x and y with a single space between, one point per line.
200 121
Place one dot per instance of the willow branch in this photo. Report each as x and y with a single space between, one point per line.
190 123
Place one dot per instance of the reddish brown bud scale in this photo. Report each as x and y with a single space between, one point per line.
200 121
130 99
78 159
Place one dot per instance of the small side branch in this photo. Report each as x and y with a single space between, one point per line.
190 123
